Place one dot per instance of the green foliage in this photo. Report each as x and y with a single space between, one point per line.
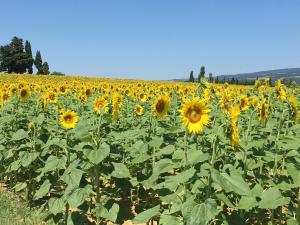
201 73
38 62
191 79
13 58
29 55
144 169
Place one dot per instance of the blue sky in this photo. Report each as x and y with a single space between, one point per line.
157 39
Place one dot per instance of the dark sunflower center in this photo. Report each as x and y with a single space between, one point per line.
194 114
160 106
68 118
243 102
23 93
99 104
52 97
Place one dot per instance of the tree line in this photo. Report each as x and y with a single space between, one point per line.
16 57
200 75
223 79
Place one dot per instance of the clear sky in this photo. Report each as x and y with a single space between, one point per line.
156 39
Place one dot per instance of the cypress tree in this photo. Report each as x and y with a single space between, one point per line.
29 57
38 62
12 56
201 74
210 77
45 68
191 79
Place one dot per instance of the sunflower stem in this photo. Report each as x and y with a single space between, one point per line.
276 141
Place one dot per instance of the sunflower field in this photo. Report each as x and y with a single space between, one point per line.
106 151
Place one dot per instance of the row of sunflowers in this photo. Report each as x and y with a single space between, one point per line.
105 151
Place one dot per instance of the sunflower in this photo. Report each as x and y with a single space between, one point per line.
139 110
194 115
51 97
117 102
127 92
143 97
257 84
5 96
207 94
69 119
263 114
24 94
226 101
295 105
100 105
234 133
254 102
161 106
244 103
83 97
88 92
62 89
117 99
281 93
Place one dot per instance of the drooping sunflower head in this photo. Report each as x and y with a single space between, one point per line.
295 107
161 106
257 83
100 105
278 84
234 114
139 110
117 99
195 115
281 93
244 103
254 102
234 136
226 101
69 119
24 94
207 94
88 92
263 114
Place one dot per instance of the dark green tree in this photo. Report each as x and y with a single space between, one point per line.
13 58
6 58
210 77
232 80
57 73
45 68
29 56
202 73
191 79
217 80
38 62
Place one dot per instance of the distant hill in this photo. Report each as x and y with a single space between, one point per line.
289 73
292 74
